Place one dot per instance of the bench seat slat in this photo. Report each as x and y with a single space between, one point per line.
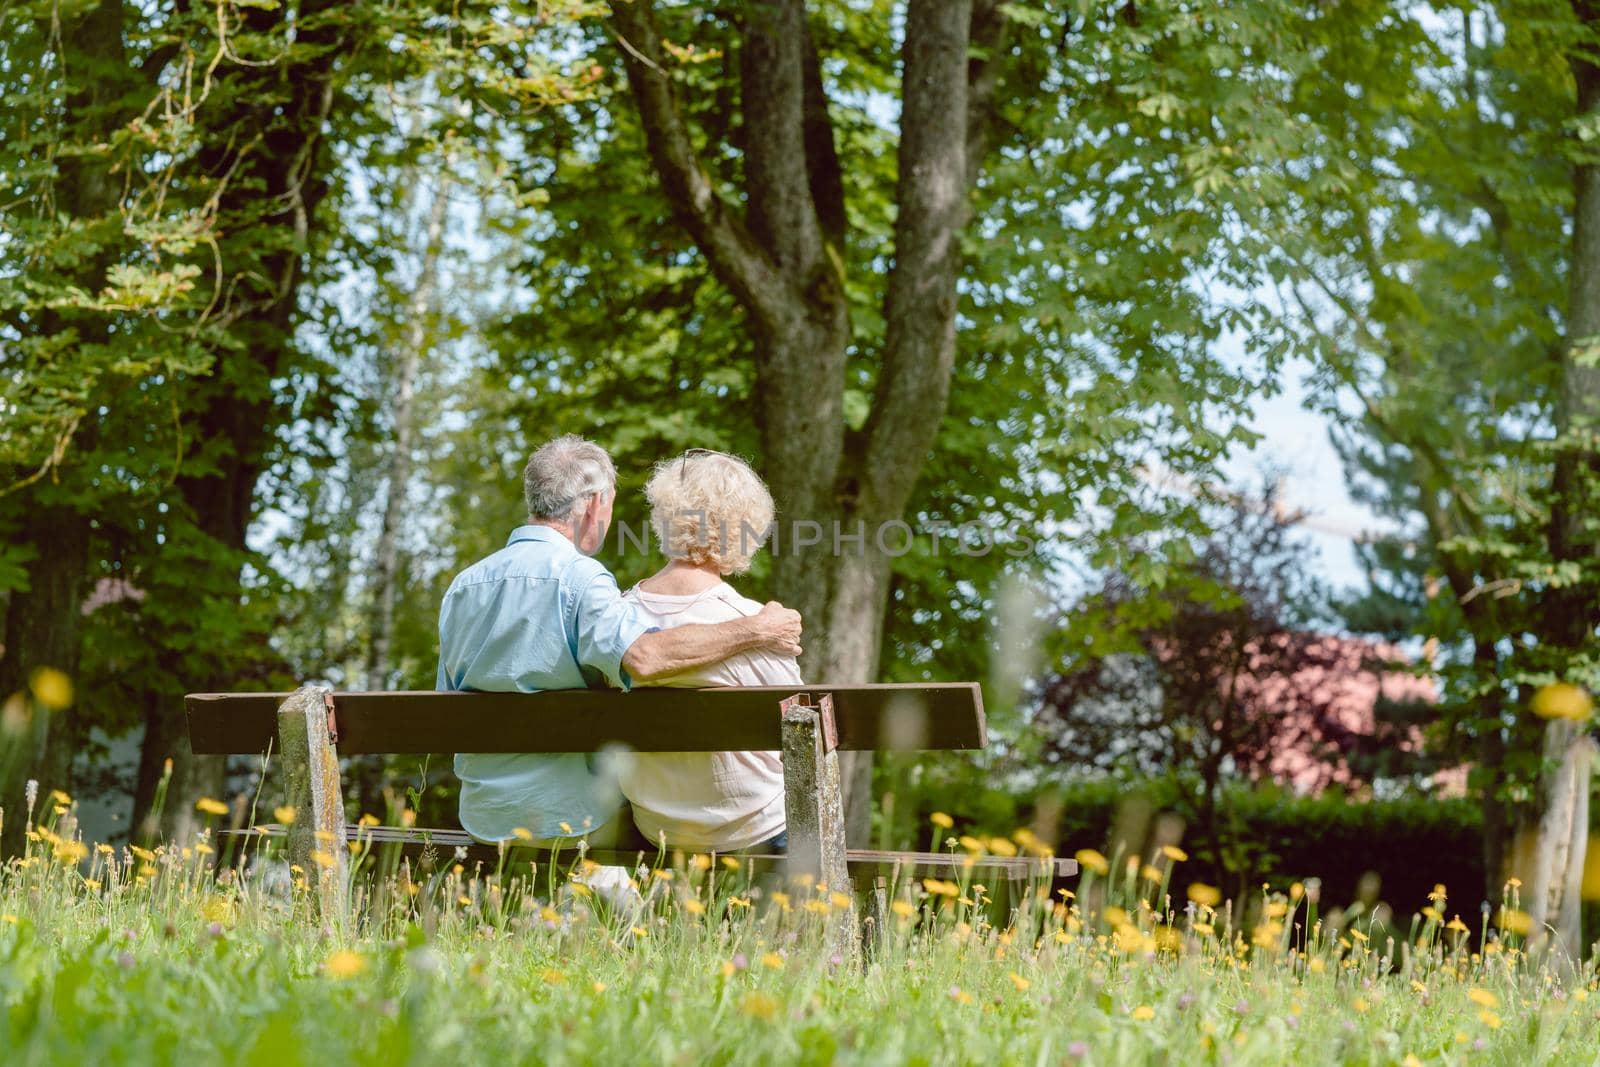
884 717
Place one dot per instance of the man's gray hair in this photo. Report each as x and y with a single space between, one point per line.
563 473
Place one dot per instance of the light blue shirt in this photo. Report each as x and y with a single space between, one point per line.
536 615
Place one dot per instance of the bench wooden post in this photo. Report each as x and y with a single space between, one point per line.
306 735
814 803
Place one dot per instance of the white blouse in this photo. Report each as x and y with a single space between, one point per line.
709 801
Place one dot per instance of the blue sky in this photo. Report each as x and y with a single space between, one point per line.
1295 441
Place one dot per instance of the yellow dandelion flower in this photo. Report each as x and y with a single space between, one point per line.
1489 1019
839 900
1091 860
1360 1005
1205 895
738 902
941 820
552 976
1516 922
772 959
971 844
60 798
1174 853
598 987
700 862
1483 998
694 907
1000 846
344 964
52 688
903 908
1561 700
70 852
730 863
211 806
324 859
1020 982
759 1005
285 814
1144 1013
781 900
8 918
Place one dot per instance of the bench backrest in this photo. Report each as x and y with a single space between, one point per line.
883 718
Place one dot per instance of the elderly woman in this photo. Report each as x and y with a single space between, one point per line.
711 515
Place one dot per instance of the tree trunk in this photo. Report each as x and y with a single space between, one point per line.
1573 610
43 629
43 625
1554 898
417 332
233 413
782 259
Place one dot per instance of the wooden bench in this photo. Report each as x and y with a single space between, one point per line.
810 725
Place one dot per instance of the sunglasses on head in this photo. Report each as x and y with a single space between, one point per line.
683 462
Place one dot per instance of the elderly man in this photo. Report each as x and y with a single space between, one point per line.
541 614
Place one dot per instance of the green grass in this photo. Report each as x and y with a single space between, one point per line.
116 957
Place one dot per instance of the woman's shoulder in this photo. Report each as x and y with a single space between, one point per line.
737 602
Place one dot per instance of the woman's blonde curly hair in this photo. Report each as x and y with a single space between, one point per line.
709 507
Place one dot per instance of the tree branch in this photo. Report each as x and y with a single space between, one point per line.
733 253
773 100
983 78
822 158
920 304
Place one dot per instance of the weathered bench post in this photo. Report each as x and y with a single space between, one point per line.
815 810
306 736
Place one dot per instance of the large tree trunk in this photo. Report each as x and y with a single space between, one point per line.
1572 611
284 164
43 625
782 259
43 630
1554 904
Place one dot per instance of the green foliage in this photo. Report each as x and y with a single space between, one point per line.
1432 281
1410 842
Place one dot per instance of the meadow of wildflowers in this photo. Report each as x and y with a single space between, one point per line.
166 955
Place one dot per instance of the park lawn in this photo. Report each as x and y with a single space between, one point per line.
133 956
